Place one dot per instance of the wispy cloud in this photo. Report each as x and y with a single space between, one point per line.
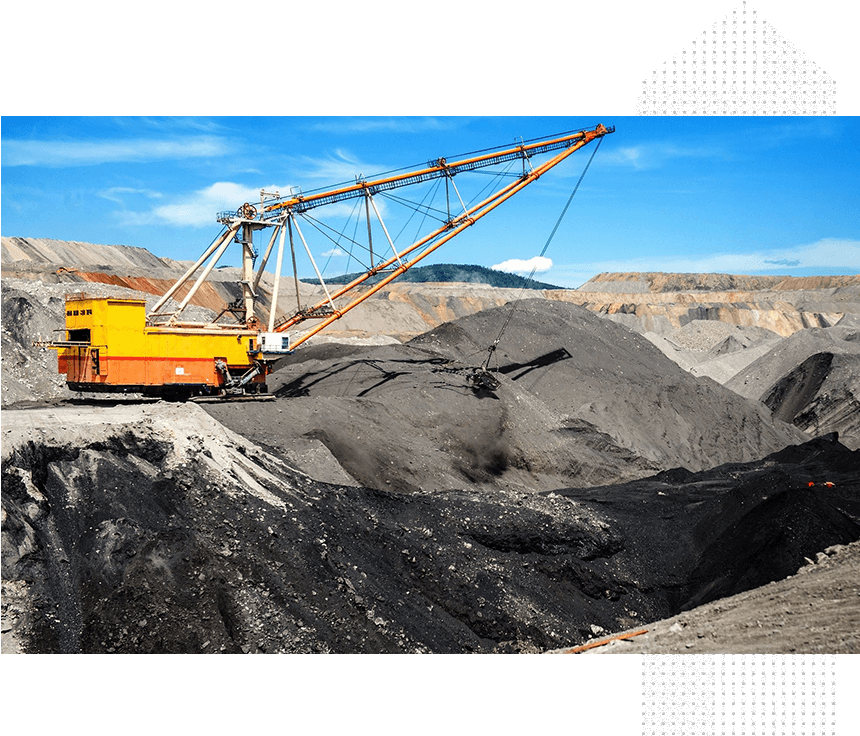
381 125
655 155
121 194
334 168
64 153
792 130
200 208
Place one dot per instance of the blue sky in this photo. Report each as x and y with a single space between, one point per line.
735 195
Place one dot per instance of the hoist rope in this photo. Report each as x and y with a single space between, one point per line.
514 306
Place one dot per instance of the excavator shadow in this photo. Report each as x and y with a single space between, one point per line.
542 361
301 386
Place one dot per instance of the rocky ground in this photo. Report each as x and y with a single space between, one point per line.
393 496
814 611
152 528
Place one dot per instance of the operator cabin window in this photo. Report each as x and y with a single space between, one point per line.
82 335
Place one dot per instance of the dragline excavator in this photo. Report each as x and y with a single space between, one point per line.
113 345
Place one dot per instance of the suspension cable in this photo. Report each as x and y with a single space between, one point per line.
507 321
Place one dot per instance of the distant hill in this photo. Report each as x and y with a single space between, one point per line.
451 272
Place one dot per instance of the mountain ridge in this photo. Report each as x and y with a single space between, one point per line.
450 273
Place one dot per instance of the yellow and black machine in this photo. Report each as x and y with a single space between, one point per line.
111 346
114 345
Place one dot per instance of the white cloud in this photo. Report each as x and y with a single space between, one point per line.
654 155
826 253
62 153
393 125
201 208
540 264
334 253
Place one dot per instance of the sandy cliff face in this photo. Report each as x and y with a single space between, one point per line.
77 264
781 312
674 282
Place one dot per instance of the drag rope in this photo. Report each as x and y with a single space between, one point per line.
492 347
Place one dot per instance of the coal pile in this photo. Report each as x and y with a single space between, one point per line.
133 542
571 400
399 498
408 498
810 379
617 381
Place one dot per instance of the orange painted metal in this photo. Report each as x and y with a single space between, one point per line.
593 644
110 344
460 223
584 136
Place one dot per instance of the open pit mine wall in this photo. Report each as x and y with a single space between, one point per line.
76 264
664 312
662 302
782 312
640 283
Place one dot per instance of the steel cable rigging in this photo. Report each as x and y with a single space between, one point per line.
159 353
492 348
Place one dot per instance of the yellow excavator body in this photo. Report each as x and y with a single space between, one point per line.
109 347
